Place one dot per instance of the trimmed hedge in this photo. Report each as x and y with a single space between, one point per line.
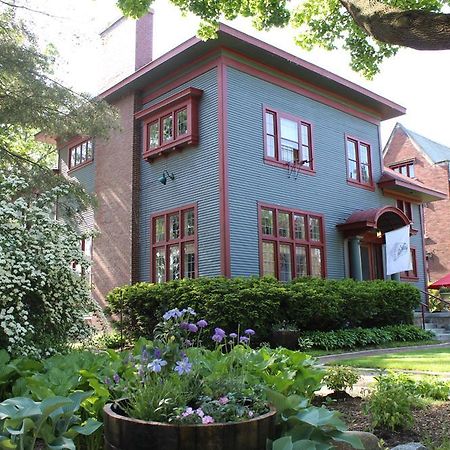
363 337
259 303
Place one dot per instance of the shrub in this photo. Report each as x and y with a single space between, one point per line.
340 378
364 337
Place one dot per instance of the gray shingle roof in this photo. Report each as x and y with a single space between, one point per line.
436 152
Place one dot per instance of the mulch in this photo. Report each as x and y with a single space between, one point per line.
431 424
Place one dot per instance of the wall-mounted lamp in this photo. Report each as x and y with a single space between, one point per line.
163 178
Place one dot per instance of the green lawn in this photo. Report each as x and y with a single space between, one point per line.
429 360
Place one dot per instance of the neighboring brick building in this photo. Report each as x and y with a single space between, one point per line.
426 161
235 158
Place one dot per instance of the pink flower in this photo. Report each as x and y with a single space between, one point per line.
200 412
188 412
223 400
207 419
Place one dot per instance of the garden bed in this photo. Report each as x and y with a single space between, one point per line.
431 424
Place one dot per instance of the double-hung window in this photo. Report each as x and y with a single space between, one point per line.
174 244
81 154
292 243
288 140
359 163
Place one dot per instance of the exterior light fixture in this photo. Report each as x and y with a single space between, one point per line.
163 178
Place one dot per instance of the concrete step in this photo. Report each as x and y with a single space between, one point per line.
443 337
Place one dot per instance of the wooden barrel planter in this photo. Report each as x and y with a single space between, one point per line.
125 433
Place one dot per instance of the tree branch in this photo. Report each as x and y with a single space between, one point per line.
422 30
13 5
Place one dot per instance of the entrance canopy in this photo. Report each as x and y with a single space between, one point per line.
443 282
383 219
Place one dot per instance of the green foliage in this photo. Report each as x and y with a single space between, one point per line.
391 402
308 427
307 303
23 421
364 337
340 378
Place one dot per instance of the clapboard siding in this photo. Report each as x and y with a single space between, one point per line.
196 181
251 180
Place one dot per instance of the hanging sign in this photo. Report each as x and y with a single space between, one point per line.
398 253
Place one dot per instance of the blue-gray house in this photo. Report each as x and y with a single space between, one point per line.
235 158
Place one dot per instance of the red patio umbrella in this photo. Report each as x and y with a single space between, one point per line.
443 282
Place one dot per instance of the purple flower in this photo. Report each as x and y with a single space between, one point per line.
202 323
207 419
141 371
223 400
220 332
199 412
184 326
244 340
156 365
116 378
192 328
249 332
183 366
172 313
144 355
217 338
233 335
187 412
157 353
107 381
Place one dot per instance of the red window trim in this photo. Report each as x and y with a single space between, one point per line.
402 205
406 164
411 275
188 98
170 242
277 161
369 186
292 241
73 145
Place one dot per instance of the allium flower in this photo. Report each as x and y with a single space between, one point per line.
183 366
233 335
244 340
207 419
217 338
220 332
202 323
156 365
192 328
249 332
116 378
184 326
224 400
199 412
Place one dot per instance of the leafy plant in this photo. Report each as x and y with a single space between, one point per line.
23 421
340 378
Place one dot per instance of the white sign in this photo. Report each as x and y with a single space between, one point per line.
398 253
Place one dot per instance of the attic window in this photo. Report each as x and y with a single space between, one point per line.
171 124
406 169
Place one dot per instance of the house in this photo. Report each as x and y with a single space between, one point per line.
422 159
236 158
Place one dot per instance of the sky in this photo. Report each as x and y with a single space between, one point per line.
414 79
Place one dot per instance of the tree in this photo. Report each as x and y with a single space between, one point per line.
370 30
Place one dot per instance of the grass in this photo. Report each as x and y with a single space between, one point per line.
427 360
389 345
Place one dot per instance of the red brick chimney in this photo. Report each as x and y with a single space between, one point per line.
144 40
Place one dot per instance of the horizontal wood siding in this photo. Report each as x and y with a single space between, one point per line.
251 180
196 181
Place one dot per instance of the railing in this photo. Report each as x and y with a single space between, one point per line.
424 306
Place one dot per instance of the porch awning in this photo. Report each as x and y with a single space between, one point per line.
395 183
442 282
384 219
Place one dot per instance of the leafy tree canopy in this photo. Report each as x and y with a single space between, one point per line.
370 30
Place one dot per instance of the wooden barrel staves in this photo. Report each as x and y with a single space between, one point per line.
125 433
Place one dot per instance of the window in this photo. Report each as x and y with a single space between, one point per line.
406 168
81 154
291 243
406 207
411 274
174 245
171 124
287 140
359 165
86 248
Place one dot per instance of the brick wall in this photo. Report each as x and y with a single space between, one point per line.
112 256
437 214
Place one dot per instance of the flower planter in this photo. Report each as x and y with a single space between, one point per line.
125 433
286 338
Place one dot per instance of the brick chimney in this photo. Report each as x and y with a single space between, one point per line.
144 40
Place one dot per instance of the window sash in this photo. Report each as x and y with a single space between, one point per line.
359 162
81 154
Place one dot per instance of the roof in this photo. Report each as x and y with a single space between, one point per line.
435 151
239 42
404 185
